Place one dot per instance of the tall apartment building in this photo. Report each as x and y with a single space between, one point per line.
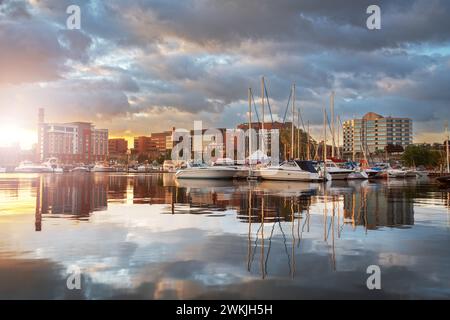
117 146
155 145
144 145
163 141
374 133
74 142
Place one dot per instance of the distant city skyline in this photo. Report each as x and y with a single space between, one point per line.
138 67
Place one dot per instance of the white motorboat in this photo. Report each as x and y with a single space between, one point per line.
242 171
337 173
80 169
202 171
396 173
291 171
52 165
99 167
143 168
358 173
49 166
29 167
2 170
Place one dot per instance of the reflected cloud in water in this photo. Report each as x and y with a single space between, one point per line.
153 237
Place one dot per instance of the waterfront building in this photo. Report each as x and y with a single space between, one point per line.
163 141
73 142
155 145
144 145
373 133
118 146
285 143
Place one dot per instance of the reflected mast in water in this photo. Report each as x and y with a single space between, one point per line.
38 212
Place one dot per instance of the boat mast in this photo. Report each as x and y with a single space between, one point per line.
308 152
293 119
249 130
332 124
324 151
262 124
338 136
447 147
298 133
353 141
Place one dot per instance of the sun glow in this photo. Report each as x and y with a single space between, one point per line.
11 135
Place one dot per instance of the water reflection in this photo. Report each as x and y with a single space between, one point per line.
371 205
204 235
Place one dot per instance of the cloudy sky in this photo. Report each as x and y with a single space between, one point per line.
140 66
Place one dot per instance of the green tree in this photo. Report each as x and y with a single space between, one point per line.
421 156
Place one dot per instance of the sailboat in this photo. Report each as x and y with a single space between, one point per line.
292 170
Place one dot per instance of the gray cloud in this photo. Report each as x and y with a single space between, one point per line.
200 57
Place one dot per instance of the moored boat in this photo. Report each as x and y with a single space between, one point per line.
294 170
202 171
52 165
29 167
241 171
336 172
99 167
80 169
358 173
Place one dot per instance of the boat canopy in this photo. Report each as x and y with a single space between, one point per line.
306 165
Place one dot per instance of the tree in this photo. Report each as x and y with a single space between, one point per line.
142 157
421 156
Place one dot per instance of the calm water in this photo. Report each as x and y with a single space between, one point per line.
152 237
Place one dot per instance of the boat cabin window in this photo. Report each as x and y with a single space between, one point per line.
330 165
307 166
197 165
288 164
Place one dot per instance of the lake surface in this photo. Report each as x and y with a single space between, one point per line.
153 237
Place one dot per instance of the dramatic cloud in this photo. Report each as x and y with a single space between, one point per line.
137 66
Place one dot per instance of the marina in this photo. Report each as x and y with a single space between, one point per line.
240 152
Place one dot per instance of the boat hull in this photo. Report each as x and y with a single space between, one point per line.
339 175
79 170
32 170
287 175
206 173
397 174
